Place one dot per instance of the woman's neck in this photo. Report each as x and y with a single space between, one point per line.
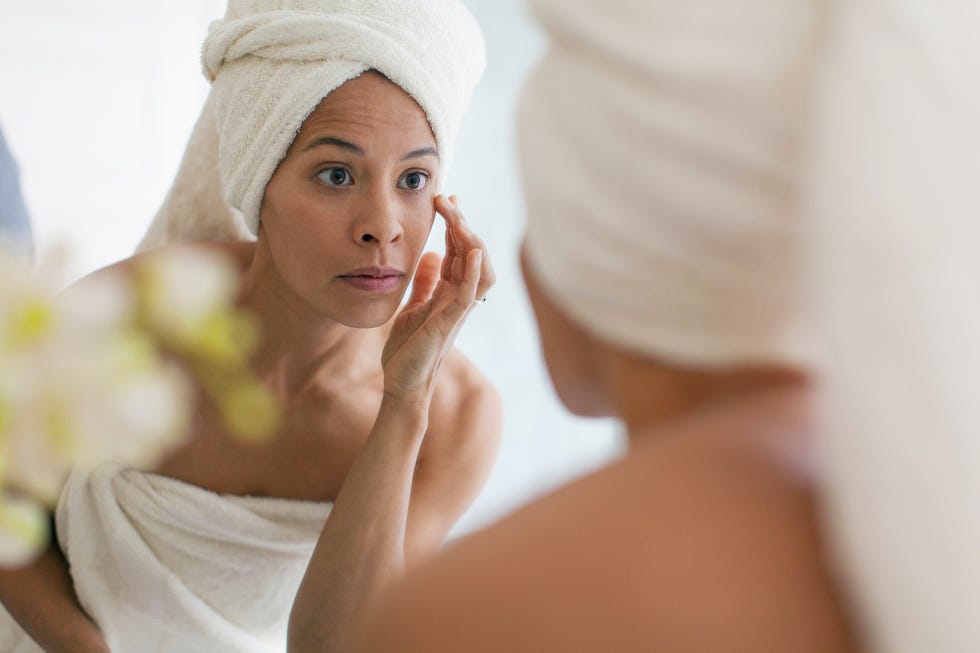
299 344
647 395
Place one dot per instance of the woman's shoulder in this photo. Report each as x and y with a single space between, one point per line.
687 543
462 388
466 413
465 423
238 252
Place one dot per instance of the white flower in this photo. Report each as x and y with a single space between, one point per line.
78 384
84 377
72 401
98 304
183 287
23 530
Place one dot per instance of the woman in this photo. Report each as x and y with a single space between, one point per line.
703 161
658 142
330 123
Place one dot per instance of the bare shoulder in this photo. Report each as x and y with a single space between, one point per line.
239 252
460 381
466 409
688 544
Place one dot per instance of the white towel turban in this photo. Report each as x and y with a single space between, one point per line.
658 157
272 61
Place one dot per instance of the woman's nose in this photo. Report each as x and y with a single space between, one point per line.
379 224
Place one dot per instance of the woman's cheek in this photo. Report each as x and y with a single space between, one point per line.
424 218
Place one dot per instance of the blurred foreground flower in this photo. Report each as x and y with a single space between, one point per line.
107 370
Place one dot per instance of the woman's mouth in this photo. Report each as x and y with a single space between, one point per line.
378 280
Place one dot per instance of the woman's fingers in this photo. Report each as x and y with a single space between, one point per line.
422 337
460 301
453 227
466 294
426 278
460 240
447 260
451 270
466 240
471 280
487 276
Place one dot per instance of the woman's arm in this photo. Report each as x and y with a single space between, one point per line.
41 599
396 506
362 545
460 447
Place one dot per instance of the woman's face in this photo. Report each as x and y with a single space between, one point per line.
349 209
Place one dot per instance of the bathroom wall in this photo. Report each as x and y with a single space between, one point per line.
97 100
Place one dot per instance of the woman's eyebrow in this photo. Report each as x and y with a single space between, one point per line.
351 147
332 140
425 151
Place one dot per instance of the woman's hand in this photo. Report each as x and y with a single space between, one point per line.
442 296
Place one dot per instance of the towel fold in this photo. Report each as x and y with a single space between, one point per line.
162 565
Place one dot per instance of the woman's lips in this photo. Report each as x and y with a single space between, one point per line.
374 279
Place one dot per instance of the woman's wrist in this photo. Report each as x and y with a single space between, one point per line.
401 423
411 415
407 414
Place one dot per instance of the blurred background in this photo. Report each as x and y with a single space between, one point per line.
97 100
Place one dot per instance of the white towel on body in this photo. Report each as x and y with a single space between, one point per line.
164 566
271 62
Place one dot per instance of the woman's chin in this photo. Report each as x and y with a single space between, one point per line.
367 317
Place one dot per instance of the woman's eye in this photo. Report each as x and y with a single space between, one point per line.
335 177
413 181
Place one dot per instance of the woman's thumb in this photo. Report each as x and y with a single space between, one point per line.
426 278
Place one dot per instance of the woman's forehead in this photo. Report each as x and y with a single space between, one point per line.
369 106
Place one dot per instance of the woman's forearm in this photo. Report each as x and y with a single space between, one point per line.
41 598
362 545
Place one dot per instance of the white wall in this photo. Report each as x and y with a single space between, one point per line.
97 99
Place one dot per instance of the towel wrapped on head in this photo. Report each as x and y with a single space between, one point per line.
663 225
271 62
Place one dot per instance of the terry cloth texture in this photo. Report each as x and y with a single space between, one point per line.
164 566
